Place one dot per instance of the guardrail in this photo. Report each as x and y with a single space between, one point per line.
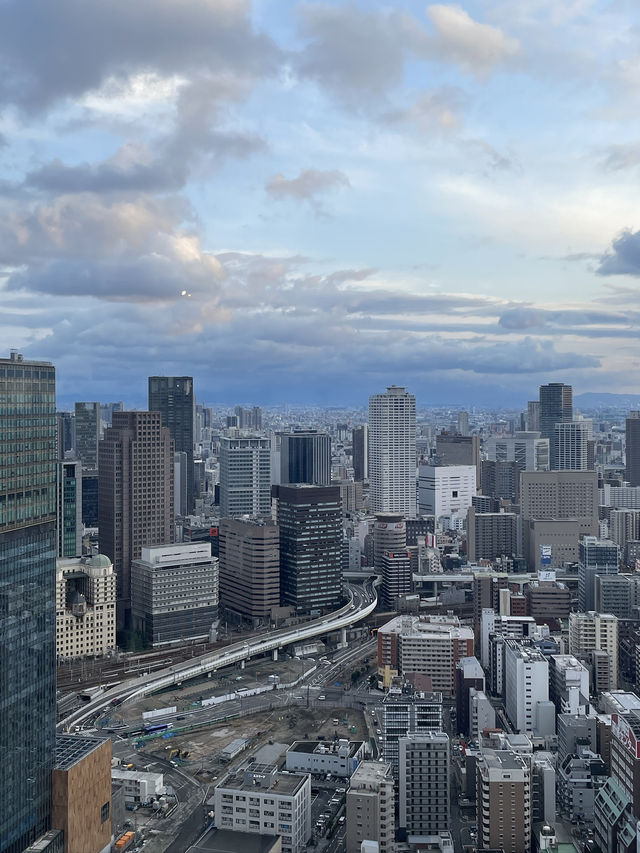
134 689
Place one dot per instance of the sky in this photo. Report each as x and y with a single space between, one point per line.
304 202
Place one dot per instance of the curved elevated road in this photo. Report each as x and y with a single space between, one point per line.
362 602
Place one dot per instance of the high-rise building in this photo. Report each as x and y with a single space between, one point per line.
360 450
503 800
87 434
463 423
527 449
446 489
310 520
245 477
27 598
66 432
632 449
135 494
250 419
526 672
491 535
452 449
174 592
250 568
424 784
392 452
596 557
533 416
556 407
305 457
591 633
405 712
173 397
389 534
397 578
571 445
371 807
69 510
500 481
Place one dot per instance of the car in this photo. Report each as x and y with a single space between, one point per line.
321 698
378 732
341 820
341 790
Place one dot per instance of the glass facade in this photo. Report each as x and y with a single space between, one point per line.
27 599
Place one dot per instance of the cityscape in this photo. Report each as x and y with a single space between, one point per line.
349 630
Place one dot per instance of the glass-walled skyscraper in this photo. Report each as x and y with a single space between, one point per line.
27 598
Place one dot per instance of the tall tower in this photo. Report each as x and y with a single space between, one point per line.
360 450
87 426
632 470
172 396
305 457
27 598
245 477
571 445
135 494
392 452
556 407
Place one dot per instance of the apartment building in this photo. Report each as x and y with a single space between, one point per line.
371 807
595 635
503 798
424 784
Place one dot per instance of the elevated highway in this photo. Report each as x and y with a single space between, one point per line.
362 602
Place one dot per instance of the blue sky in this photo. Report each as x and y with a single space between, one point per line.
305 202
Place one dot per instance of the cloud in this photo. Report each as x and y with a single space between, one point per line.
623 258
474 46
77 47
620 156
307 187
440 108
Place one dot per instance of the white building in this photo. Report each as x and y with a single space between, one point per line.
569 683
528 449
591 633
423 784
261 800
85 606
481 713
245 477
526 680
446 490
317 756
392 452
139 787
571 443
506 626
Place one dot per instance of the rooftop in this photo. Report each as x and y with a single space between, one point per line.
324 747
70 749
245 780
228 841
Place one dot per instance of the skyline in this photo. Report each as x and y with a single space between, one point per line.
302 200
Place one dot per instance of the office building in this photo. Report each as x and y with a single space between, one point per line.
499 481
397 578
65 426
407 711
250 419
250 568
174 592
526 685
180 485
596 557
624 525
338 757
85 607
486 594
173 397
371 808
245 477
556 407
305 457
360 452
392 452
632 449
532 419
591 633
458 450
389 535
499 624
82 793
87 434
69 510
568 684
27 596
423 785
503 800
310 521
571 446
491 535
260 800
625 755
547 600
557 509
527 449
446 490
135 494
614 594
428 644
90 498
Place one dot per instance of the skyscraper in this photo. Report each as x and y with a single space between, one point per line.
87 427
392 451
69 510
245 477
135 494
172 396
571 445
250 568
305 457
310 519
556 407
632 469
27 598
360 451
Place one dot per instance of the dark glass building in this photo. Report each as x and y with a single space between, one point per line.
27 599
69 521
310 520
172 396
87 431
305 457
556 407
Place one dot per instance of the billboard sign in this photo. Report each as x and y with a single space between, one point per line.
621 730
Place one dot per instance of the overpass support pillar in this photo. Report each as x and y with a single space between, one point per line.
242 664
343 637
274 654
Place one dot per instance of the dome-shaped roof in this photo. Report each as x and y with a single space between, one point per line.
99 561
77 597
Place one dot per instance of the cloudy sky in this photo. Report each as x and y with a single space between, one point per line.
306 201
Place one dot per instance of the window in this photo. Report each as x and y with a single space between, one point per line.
104 812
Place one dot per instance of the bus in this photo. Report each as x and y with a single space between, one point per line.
158 727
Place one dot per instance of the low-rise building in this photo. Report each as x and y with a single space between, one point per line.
578 778
85 607
258 799
139 787
339 758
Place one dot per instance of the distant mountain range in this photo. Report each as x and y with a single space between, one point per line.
603 400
